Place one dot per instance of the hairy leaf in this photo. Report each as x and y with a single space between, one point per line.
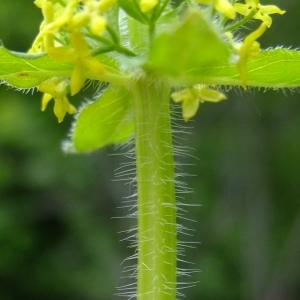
189 45
273 68
106 121
29 70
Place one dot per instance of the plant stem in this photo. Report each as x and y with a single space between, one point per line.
156 191
241 22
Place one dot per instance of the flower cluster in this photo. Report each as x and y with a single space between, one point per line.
251 9
62 39
250 47
191 97
71 28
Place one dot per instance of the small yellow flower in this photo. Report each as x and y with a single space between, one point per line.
69 16
147 5
79 54
249 48
193 96
78 21
93 9
43 41
57 17
222 6
58 90
98 25
263 11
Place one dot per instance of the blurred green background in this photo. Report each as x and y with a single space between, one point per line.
59 225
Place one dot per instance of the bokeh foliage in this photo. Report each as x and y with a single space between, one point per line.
57 236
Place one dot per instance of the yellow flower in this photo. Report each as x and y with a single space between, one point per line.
70 16
58 90
147 5
91 16
43 41
79 54
98 25
249 48
193 96
263 11
222 6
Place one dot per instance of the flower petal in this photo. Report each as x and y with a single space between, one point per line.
222 6
78 21
271 9
59 109
46 98
80 45
210 95
70 108
242 9
77 78
61 54
225 8
189 108
94 66
98 25
147 5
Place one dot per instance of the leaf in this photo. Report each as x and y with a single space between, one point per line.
112 16
106 121
138 37
29 70
191 44
273 68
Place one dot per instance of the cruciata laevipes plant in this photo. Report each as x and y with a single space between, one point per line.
146 54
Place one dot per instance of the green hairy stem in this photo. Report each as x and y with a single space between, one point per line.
156 192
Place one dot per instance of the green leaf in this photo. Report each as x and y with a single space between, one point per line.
29 70
191 44
112 16
106 121
138 36
273 68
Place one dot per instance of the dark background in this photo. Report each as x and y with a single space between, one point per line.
59 225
